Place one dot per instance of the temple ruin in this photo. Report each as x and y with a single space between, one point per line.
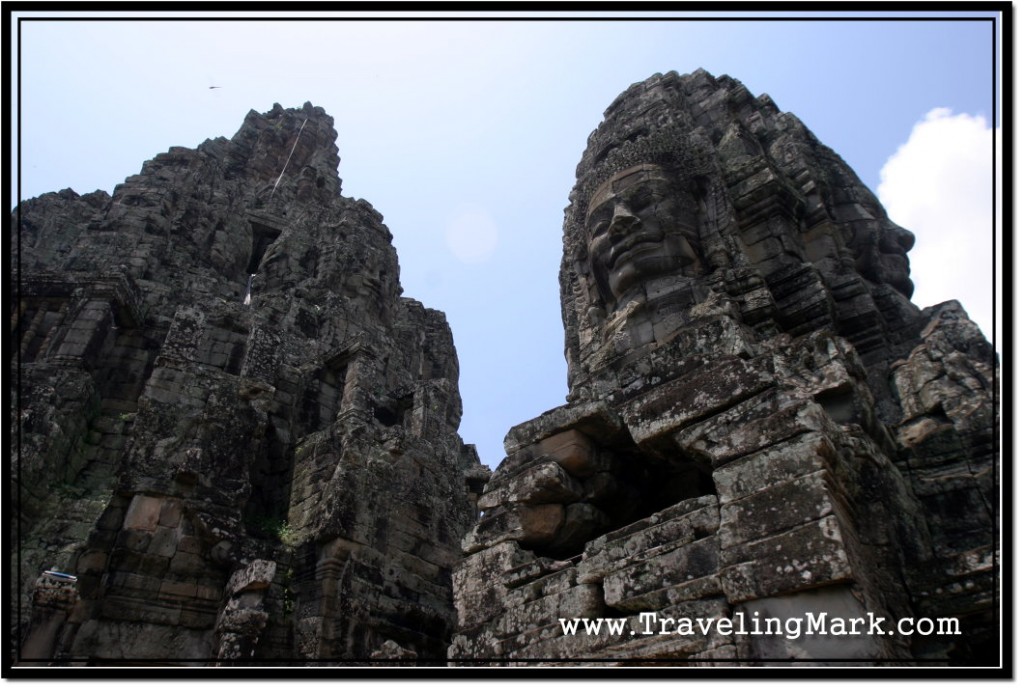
760 423
235 434
237 442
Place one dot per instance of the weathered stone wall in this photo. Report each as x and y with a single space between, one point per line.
760 422
232 429
237 440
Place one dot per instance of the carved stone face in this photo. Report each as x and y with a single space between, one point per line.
637 230
893 246
884 259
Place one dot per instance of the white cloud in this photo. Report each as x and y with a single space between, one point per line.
939 186
472 235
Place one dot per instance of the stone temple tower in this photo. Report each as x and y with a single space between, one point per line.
760 425
236 440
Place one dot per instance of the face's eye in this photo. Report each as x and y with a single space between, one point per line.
643 199
640 202
598 227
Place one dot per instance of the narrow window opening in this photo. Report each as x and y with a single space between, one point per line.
394 415
235 359
385 416
322 399
262 238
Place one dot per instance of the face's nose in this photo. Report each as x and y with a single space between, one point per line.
896 240
623 221
905 238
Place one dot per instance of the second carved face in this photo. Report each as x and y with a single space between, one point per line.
637 231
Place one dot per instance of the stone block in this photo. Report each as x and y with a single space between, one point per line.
492 500
247 622
179 589
92 561
187 564
123 560
539 482
142 582
170 513
597 420
497 525
550 583
475 645
572 450
153 565
134 540
164 542
197 619
648 538
258 575
600 486
784 462
540 523
479 591
689 398
577 601
682 508
111 519
686 563
762 618
582 521
813 555
209 592
544 483
697 589
780 507
143 512
190 544
760 422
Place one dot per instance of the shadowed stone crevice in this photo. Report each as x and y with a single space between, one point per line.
263 236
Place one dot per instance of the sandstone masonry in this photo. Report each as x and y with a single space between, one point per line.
236 441
232 429
759 420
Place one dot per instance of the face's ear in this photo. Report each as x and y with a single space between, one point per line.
595 277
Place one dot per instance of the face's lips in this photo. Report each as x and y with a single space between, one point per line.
624 249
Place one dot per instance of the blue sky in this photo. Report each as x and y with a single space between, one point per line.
465 135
